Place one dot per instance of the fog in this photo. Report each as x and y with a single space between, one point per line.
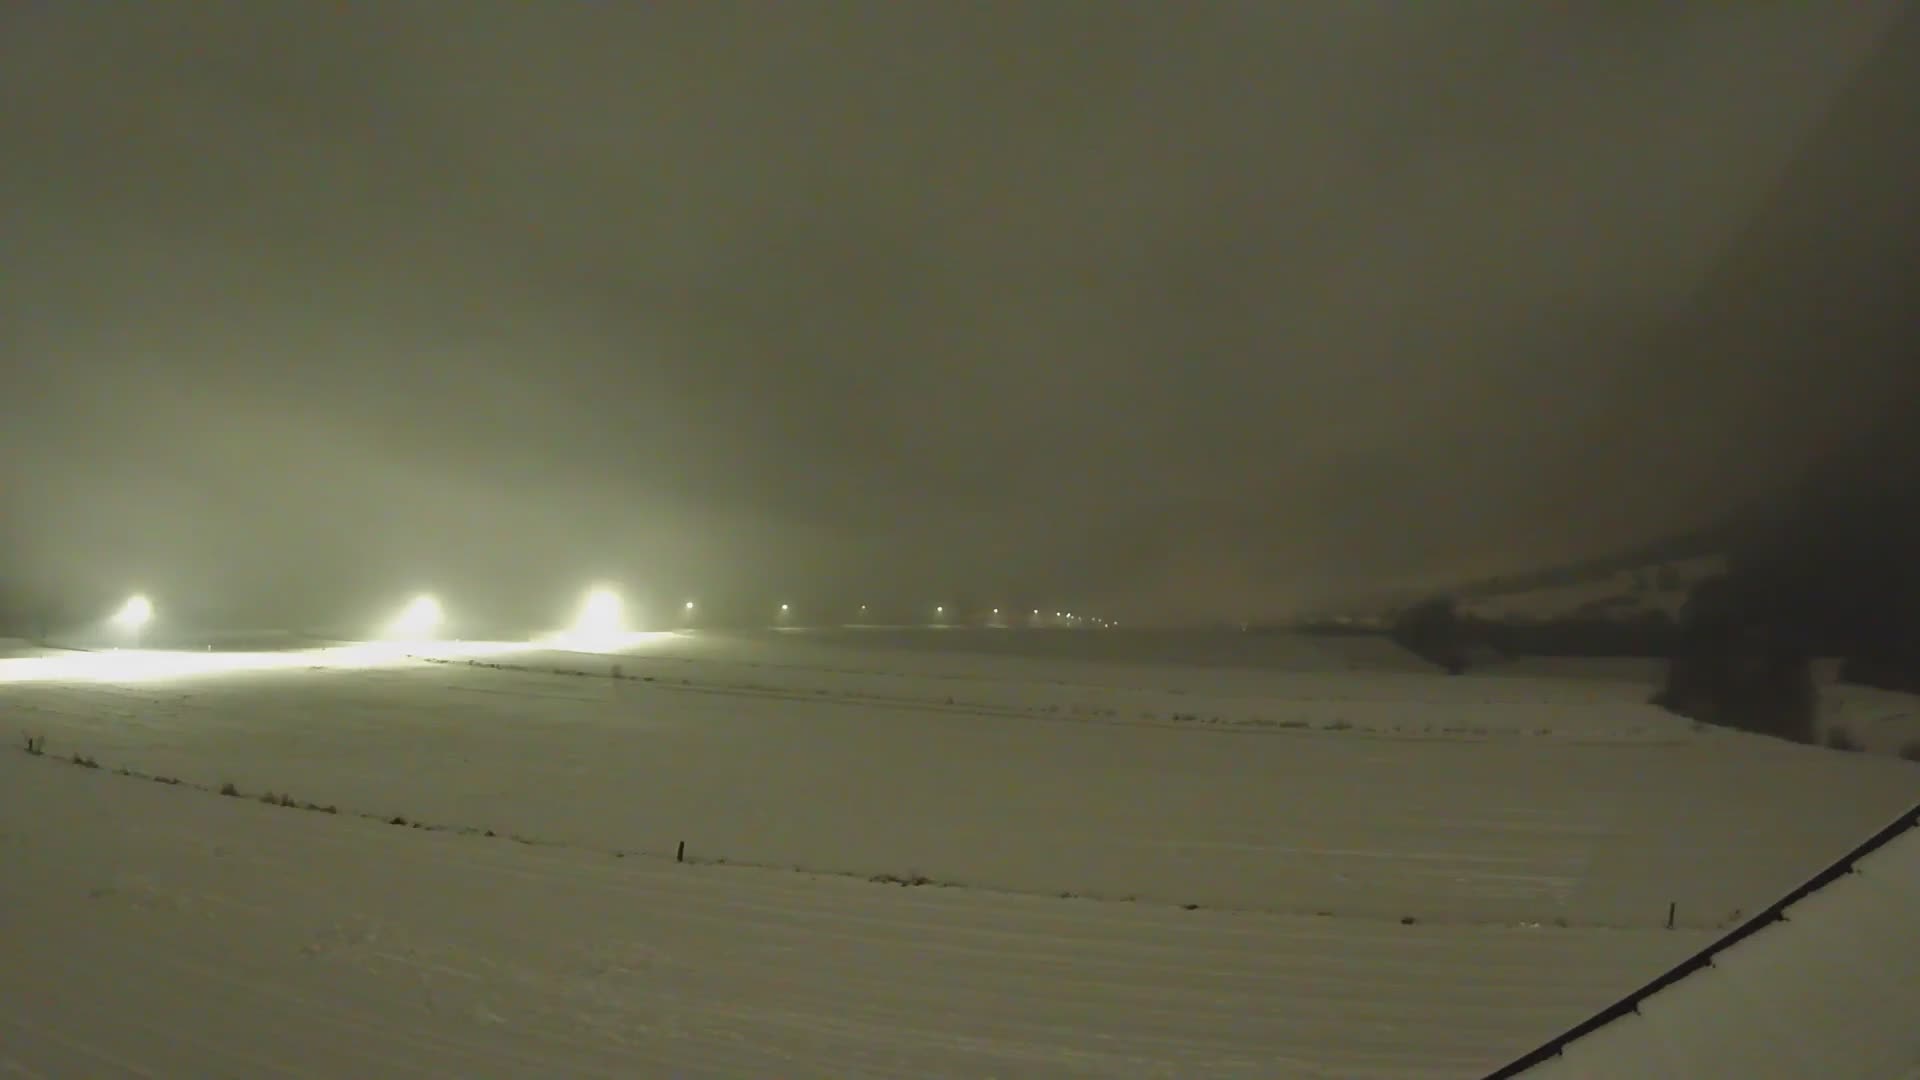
1161 311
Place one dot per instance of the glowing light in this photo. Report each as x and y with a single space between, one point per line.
135 613
689 605
784 607
939 610
420 619
601 622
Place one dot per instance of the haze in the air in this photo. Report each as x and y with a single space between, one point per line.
1162 311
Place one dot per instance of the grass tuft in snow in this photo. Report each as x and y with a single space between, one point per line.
229 790
36 744
911 880
83 761
1911 751
1839 738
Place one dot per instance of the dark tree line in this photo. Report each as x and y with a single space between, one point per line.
1832 570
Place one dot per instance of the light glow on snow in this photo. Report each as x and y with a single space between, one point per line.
621 642
148 665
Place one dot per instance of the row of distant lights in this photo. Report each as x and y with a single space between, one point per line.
601 616
940 611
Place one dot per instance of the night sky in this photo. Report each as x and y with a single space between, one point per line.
1161 311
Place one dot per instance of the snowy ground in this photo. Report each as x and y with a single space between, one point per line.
1149 868
1877 721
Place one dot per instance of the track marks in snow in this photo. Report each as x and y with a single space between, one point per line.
1498 831
1597 722
304 944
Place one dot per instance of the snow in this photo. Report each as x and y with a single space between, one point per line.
1618 594
1878 721
1830 991
1133 868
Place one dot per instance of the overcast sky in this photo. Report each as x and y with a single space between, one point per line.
1161 310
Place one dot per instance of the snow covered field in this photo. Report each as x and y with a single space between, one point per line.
1141 858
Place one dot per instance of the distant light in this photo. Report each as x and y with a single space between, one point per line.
135 613
996 611
785 607
939 609
419 619
600 615
689 605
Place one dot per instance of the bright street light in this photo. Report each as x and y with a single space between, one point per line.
134 614
420 619
600 615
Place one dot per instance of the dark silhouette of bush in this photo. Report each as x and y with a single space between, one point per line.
1840 550
1738 662
1432 630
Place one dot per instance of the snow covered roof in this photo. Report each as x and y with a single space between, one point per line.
1824 983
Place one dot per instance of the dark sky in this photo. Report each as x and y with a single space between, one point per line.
1161 310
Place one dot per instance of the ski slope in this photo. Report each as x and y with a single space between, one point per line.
1129 869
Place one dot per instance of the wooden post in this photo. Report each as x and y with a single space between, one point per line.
1671 904
680 853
